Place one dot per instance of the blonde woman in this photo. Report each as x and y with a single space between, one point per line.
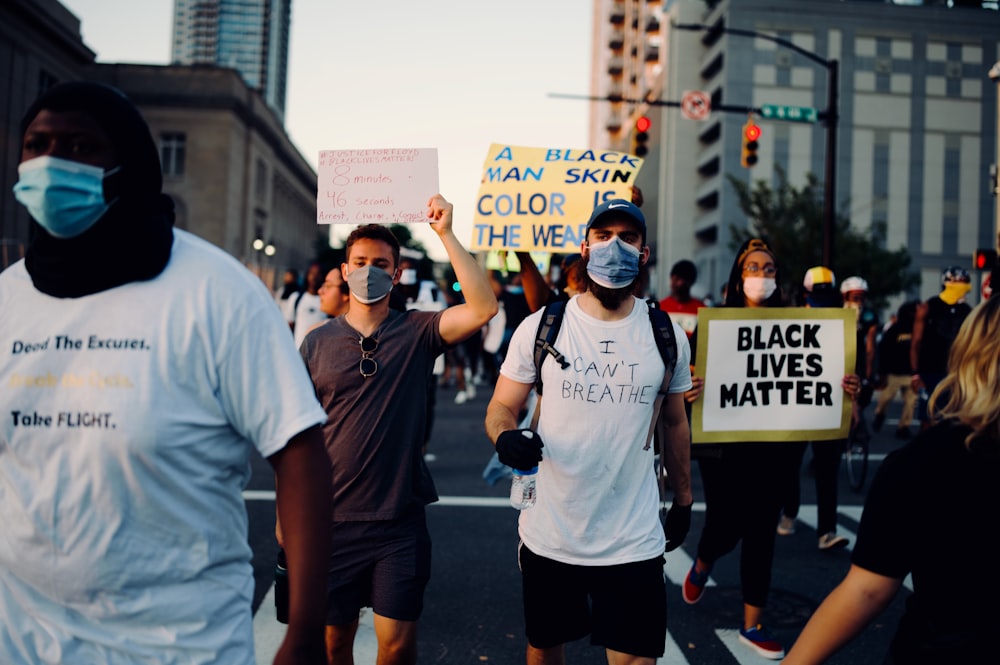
931 512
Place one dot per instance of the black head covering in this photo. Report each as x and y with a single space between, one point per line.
132 240
734 292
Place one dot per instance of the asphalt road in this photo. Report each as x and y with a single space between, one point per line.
473 610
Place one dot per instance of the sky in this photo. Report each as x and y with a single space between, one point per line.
456 75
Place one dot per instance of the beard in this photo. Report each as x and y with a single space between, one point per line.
610 299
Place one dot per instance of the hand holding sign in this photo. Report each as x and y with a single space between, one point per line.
440 211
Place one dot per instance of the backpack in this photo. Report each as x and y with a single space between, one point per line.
548 331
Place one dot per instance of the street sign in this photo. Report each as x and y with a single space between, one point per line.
696 105
791 113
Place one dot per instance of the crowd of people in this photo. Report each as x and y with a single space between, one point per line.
125 539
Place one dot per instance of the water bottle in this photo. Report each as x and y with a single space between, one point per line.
522 488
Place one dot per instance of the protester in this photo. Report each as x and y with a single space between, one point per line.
894 370
334 295
306 311
855 293
820 286
743 481
936 323
369 368
946 621
289 288
680 304
591 551
124 528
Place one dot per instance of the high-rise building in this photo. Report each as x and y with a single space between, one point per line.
251 36
916 134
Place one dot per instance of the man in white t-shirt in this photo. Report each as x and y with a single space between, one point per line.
591 553
141 368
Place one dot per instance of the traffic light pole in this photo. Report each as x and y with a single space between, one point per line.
830 116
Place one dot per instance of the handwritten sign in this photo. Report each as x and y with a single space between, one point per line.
389 186
773 374
539 199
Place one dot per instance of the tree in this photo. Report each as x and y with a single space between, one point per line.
791 222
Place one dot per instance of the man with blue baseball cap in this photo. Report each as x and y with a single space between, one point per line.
592 547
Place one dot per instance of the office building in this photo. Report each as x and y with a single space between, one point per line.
251 36
916 134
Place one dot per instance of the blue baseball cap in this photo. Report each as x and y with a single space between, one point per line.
618 208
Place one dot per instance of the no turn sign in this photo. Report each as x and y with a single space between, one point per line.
696 105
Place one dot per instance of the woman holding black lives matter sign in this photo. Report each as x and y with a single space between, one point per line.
742 481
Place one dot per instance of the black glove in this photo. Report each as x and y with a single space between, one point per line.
520 449
676 526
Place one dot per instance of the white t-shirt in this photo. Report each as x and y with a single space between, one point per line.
598 499
307 314
127 423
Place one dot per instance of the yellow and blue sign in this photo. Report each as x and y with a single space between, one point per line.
539 199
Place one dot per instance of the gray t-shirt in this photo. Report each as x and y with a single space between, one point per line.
375 426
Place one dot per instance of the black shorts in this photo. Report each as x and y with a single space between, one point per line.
621 607
384 565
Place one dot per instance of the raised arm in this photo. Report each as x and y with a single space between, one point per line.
460 321
536 290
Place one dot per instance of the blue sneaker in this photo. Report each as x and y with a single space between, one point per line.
758 639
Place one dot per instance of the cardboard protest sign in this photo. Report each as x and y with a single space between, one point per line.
539 199
390 186
773 374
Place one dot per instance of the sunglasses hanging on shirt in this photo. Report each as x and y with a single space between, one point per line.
368 366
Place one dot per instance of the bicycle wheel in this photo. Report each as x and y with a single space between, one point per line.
856 455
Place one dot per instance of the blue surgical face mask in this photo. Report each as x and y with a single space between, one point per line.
613 264
369 284
65 197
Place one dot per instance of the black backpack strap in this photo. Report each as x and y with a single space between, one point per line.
548 330
666 341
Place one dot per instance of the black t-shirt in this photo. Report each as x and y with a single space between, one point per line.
940 327
932 512
894 350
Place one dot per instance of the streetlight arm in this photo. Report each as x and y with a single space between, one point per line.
701 27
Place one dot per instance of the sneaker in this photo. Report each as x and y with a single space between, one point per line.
903 433
758 639
786 526
694 585
461 397
831 541
877 422
470 390
430 457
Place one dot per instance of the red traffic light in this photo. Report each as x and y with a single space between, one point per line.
751 132
984 259
643 124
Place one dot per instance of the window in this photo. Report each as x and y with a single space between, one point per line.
172 152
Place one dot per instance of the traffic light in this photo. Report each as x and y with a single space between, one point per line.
751 137
640 138
984 259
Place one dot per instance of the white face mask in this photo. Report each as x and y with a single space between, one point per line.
408 276
758 289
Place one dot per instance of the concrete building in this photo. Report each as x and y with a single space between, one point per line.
250 36
230 167
233 173
916 133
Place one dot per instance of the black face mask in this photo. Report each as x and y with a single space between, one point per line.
133 239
